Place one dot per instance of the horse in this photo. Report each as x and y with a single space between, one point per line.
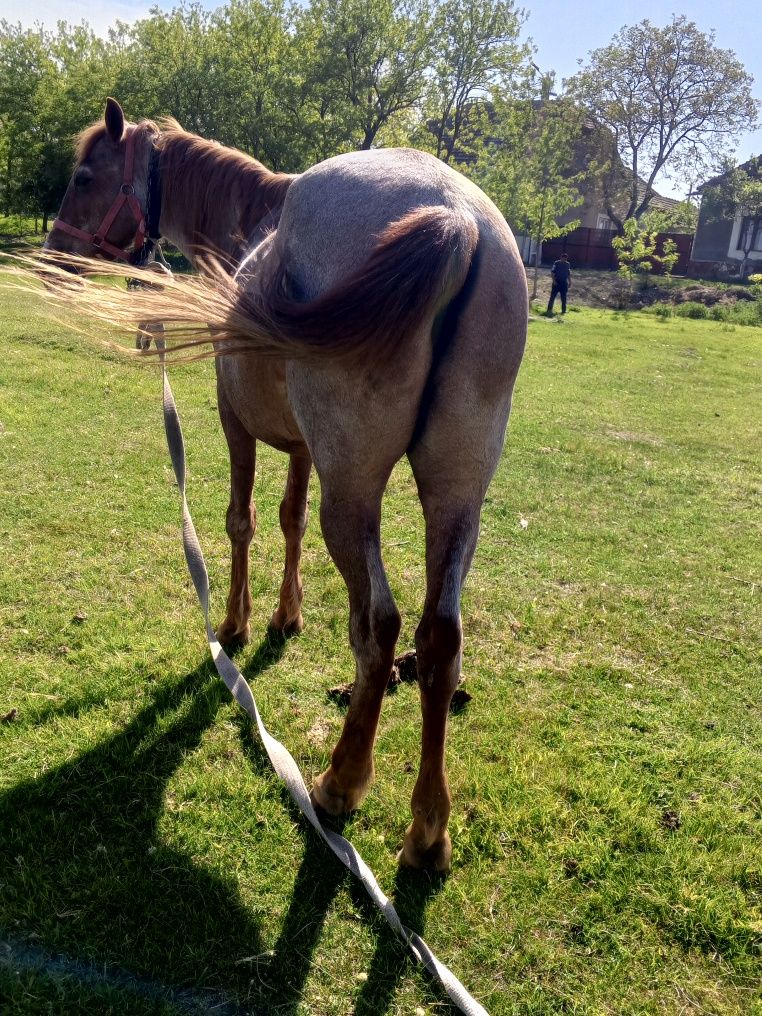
375 307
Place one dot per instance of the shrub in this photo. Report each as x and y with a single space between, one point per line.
692 309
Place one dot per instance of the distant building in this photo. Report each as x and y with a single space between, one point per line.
723 234
593 214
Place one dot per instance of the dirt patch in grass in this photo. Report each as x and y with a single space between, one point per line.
632 438
602 289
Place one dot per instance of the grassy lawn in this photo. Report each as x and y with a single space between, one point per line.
607 775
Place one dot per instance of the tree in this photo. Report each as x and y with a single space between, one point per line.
52 84
679 218
189 85
637 256
667 100
73 98
25 70
528 169
476 51
364 63
254 46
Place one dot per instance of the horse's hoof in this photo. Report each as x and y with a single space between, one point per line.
281 622
327 796
436 857
228 634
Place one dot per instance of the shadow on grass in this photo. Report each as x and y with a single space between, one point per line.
85 873
84 869
320 878
392 960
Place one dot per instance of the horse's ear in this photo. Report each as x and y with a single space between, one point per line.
114 120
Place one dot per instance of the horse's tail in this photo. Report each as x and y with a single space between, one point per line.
419 263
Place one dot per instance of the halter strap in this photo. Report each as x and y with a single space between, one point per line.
126 195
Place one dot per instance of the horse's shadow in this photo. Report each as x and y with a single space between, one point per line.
319 879
85 872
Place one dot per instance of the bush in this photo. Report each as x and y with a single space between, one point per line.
692 309
721 312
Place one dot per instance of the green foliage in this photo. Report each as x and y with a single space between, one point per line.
692 309
637 255
680 218
52 85
476 50
364 64
527 168
295 83
669 256
669 100
635 250
291 84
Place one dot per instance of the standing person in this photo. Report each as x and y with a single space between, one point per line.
561 275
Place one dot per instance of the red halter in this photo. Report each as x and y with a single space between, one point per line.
126 194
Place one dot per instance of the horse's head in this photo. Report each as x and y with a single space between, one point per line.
105 209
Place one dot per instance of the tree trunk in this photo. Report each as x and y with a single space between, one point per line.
537 263
45 222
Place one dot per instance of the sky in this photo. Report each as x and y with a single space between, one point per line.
563 31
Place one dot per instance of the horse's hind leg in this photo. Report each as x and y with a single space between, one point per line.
350 520
453 461
293 521
241 523
451 534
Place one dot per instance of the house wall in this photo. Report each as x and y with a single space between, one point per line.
715 249
736 249
713 233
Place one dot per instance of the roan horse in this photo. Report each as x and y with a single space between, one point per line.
379 310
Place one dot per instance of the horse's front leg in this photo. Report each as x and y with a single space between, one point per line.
241 523
293 521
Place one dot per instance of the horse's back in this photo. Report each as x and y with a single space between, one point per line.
334 213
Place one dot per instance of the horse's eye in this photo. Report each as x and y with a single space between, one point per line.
83 178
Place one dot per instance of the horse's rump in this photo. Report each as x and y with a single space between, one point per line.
419 262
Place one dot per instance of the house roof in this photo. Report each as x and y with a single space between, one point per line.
752 166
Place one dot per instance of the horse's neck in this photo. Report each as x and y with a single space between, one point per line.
214 199
182 230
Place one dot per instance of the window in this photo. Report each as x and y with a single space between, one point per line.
604 222
751 233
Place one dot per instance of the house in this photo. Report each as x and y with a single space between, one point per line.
728 239
590 242
589 245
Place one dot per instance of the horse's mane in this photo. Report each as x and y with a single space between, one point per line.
204 174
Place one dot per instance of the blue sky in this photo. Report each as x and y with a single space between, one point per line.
563 31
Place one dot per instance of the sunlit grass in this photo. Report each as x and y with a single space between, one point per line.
606 774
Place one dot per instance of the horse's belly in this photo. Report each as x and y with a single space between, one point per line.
255 389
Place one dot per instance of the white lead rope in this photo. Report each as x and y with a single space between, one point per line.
281 759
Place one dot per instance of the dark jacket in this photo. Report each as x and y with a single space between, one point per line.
561 272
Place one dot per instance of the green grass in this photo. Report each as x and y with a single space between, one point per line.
606 774
16 230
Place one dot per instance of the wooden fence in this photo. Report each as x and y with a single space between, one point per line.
591 248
